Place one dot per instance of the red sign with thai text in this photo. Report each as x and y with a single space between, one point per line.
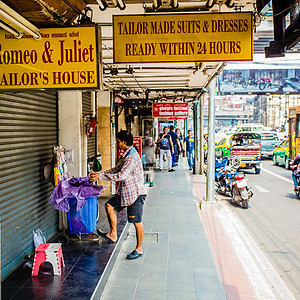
137 143
170 110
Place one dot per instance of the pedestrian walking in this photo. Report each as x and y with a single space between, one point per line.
181 145
176 144
189 148
165 145
131 192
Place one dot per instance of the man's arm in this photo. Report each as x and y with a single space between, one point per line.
179 146
159 139
95 176
171 143
127 168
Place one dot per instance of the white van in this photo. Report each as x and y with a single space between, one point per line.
252 127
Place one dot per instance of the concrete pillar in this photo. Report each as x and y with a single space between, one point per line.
84 145
93 103
210 186
196 138
106 141
71 128
201 139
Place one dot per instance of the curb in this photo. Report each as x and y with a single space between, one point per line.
110 264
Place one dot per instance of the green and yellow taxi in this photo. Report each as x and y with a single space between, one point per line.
281 154
223 147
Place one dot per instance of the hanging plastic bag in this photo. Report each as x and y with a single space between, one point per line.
38 237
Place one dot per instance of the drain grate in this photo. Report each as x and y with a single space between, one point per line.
149 237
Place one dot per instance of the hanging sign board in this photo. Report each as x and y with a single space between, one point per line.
170 110
137 143
65 57
183 37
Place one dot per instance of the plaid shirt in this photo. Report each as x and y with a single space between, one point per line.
129 173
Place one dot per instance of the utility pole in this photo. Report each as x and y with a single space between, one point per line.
201 140
196 137
210 186
287 105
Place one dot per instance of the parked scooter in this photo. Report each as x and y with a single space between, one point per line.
231 182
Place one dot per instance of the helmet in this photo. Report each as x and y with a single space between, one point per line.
236 161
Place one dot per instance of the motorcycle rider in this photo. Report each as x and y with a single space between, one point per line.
295 166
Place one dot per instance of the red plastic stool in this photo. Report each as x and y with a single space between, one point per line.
50 252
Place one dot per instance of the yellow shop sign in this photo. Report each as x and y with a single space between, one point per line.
66 57
183 37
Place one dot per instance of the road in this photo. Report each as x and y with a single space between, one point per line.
273 220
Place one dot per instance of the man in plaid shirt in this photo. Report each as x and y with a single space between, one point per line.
131 192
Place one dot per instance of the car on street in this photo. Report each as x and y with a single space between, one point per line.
247 145
269 140
281 154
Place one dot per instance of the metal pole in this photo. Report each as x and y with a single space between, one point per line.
210 186
196 145
201 143
196 139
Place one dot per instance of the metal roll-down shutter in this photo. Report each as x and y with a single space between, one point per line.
86 109
28 131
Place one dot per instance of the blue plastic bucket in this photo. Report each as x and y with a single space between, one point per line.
84 220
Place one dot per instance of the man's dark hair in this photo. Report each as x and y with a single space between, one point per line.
171 127
125 136
189 131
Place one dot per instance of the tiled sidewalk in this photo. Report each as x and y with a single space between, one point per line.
178 262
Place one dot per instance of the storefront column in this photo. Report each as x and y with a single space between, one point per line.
210 186
201 138
196 138
106 135
71 127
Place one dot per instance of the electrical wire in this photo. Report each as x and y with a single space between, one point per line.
288 8
119 113
143 89
73 7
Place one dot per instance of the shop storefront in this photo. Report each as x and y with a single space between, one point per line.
28 132
36 115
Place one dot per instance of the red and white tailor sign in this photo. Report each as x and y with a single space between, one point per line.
170 110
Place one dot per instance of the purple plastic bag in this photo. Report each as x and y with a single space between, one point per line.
80 188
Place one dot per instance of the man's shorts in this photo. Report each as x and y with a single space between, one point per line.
134 211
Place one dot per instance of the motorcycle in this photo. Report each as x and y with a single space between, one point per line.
265 83
231 182
249 82
240 81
